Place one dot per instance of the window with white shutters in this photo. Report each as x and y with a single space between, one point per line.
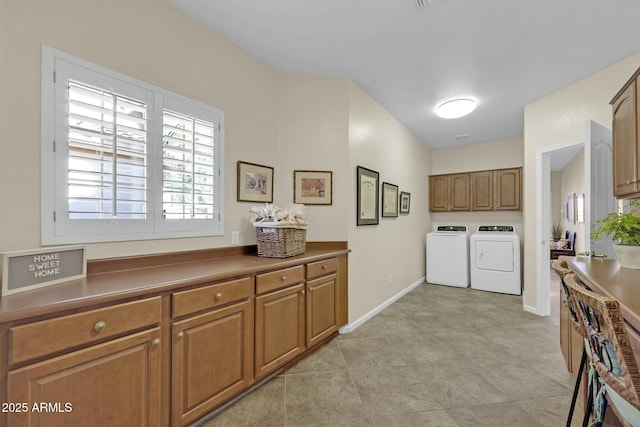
125 160
107 146
187 167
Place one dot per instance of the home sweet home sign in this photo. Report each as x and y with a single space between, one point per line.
33 269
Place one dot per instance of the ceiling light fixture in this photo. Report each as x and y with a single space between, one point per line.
455 108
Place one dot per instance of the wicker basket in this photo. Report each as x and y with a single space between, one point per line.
281 242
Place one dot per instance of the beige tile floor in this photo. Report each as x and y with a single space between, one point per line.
439 356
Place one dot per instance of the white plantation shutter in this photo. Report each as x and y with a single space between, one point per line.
107 147
187 167
125 160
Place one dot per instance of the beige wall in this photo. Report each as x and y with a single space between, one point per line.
572 182
558 119
190 60
314 123
388 257
506 153
286 121
556 199
489 155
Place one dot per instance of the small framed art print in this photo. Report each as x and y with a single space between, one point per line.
312 187
389 200
255 183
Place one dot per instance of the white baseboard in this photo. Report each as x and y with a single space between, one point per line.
531 309
352 326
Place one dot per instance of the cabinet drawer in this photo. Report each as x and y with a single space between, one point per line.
194 300
320 268
278 279
52 335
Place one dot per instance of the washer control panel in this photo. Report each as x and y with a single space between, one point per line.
452 228
498 228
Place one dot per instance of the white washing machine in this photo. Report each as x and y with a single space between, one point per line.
495 259
448 256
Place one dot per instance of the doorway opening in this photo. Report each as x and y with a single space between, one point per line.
595 185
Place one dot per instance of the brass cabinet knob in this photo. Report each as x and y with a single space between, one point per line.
303 292
324 267
155 342
218 296
284 278
180 334
99 326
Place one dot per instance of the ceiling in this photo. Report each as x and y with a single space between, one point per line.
503 53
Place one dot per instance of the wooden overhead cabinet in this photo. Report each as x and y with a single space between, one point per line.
625 140
439 193
482 191
459 196
507 189
490 190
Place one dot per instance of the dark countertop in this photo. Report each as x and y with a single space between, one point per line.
608 278
133 283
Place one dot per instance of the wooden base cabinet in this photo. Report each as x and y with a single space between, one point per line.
102 385
570 339
212 360
167 356
322 310
323 300
280 328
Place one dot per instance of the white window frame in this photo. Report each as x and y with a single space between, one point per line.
56 227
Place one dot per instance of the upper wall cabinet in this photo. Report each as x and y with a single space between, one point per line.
507 189
459 195
476 191
449 192
439 193
625 140
482 195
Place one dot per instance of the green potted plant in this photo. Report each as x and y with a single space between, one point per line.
625 230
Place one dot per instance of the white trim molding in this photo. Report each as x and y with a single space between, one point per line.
352 326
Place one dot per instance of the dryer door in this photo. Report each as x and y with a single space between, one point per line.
494 255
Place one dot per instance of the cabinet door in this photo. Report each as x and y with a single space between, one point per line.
322 308
280 328
111 384
625 136
482 191
507 189
212 360
460 194
565 327
439 193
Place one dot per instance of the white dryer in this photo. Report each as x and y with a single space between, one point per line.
448 256
495 259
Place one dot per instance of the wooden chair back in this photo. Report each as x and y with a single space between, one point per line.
561 268
611 352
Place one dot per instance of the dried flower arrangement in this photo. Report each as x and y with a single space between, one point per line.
270 215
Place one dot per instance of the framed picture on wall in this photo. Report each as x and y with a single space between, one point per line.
389 200
312 187
405 202
255 183
367 182
579 208
571 203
